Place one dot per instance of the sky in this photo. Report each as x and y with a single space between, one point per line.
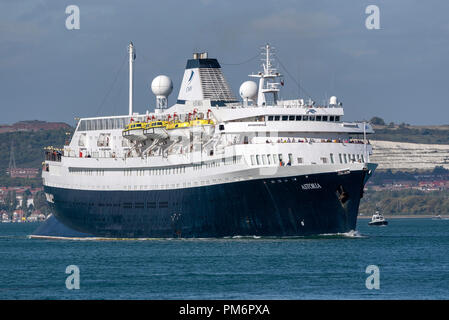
398 72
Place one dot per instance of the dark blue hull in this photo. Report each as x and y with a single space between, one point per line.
293 206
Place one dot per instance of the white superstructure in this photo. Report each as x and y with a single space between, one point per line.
259 136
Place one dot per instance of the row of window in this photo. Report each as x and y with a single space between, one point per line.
184 184
344 158
278 159
121 122
106 124
149 205
125 205
348 158
154 172
272 159
87 172
303 118
160 171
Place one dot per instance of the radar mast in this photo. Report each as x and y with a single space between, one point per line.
270 73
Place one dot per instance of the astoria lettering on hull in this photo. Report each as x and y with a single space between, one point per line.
310 186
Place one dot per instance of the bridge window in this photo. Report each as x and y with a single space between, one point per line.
269 158
277 118
339 157
318 118
270 118
305 118
280 159
298 118
331 118
324 118
332 157
291 118
284 118
82 125
337 118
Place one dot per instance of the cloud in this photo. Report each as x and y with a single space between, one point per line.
301 24
357 53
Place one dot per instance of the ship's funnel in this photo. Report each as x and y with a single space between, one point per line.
202 80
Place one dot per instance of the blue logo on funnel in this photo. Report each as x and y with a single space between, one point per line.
191 76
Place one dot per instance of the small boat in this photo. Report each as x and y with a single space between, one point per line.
378 220
135 131
183 129
439 217
156 129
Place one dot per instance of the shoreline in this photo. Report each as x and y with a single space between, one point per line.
404 216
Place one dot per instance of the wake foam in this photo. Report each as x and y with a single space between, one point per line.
349 234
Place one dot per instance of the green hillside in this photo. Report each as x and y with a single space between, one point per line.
405 202
407 133
28 151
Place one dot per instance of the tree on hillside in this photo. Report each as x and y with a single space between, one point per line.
440 170
40 203
11 201
24 206
377 121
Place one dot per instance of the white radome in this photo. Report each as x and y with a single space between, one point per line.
162 86
248 90
333 100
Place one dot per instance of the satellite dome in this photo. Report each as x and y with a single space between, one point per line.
248 90
162 86
333 100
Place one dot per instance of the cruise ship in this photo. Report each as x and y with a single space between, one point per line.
213 165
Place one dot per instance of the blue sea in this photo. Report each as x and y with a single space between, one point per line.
412 256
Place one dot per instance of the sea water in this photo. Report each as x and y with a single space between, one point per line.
412 257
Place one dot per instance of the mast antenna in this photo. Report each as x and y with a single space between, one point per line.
132 57
267 84
12 158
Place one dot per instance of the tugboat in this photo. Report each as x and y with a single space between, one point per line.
378 220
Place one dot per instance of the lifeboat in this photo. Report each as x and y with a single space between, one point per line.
201 122
205 125
181 129
135 131
156 129
178 129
